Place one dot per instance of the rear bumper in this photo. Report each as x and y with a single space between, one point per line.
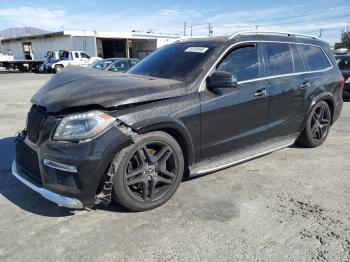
337 110
56 198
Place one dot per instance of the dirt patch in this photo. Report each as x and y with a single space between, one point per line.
326 231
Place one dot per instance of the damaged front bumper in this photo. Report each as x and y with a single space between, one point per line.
56 198
68 174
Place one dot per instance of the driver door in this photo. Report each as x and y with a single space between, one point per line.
234 118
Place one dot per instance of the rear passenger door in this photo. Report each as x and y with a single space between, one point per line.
286 88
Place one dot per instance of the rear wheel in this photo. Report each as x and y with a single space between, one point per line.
148 172
317 126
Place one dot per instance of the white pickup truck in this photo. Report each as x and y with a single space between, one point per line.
79 58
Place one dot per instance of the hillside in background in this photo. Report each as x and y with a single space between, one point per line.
21 31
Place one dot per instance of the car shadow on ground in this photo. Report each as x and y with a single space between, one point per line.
25 198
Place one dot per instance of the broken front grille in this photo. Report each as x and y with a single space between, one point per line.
35 122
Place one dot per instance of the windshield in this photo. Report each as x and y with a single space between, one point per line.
343 62
101 64
182 61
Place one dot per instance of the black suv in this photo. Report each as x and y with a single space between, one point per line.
194 107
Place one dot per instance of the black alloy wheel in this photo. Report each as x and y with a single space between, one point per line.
151 171
317 126
148 172
320 122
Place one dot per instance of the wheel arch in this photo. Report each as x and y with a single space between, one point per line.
326 97
173 127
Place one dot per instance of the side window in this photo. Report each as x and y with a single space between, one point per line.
120 66
314 57
244 62
279 59
297 59
76 55
84 55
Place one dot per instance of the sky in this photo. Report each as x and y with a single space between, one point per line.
225 16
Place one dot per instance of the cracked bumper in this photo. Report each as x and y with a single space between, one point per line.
56 198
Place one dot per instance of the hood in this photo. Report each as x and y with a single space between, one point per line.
75 87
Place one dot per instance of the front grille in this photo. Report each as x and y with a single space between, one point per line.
35 122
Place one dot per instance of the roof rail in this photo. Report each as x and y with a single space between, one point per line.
270 32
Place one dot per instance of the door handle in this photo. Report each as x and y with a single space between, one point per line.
305 85
261 92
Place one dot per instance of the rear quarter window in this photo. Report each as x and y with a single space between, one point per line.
314 58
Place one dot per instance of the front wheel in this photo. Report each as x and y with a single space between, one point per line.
58 68
317 126
148 172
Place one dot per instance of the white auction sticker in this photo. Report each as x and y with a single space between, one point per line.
196 49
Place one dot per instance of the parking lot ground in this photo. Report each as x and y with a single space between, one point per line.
291 205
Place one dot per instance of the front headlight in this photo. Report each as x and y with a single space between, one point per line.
82 126
347 80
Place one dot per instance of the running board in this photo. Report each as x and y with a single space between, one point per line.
233 158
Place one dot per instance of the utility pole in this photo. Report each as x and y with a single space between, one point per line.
210 29
347 36
256 28
185 28
320 34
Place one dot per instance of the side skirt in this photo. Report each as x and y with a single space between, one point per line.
235 157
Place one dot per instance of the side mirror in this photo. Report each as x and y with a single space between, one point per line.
221 79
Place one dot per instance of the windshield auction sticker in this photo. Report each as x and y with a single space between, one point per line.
196 49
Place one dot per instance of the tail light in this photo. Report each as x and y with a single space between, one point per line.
341 81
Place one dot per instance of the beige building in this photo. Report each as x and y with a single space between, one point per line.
102 44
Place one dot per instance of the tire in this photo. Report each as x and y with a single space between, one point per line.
58 68
317 126
148 172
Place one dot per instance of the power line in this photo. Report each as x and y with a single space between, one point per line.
310 14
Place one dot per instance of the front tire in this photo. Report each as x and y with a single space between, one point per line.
58 68
317 126
148 172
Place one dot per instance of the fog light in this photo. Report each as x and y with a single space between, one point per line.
60 166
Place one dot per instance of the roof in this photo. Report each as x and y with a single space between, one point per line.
204 39
117 58
122 35
47 35
256 36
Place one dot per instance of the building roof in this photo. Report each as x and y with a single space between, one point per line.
123 35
